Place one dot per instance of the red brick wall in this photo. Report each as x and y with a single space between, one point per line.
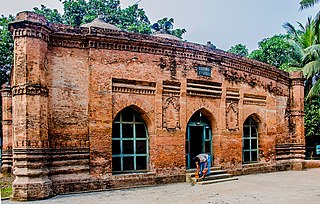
82 78
83 105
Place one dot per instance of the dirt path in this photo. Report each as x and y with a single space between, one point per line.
290 187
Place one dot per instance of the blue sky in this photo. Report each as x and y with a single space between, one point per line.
224 23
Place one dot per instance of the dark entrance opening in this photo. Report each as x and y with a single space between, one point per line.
198 138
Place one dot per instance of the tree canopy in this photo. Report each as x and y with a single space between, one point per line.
239 49
275 50
167 24
306 53
78 12
6 49
299 49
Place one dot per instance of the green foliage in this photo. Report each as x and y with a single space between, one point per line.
53 16
239 49
314 89
5 185
78 12
306 57
6 49
257 55
6 192
74 12
312 117
306 53
275 51
307 35
177 32
308 3
134 19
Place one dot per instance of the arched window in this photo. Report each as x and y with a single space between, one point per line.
129 143
250 141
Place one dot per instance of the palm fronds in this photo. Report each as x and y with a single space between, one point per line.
308 3
314 91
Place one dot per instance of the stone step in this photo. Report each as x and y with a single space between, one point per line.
215 172
205 182
212 177
217 175
213 168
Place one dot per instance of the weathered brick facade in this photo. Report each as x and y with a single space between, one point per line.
69 86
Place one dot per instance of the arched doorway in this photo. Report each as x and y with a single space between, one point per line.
198 138
129 143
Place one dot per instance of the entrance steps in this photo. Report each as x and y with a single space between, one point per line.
217 175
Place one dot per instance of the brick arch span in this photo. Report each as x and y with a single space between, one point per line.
257 119
143 107
208 114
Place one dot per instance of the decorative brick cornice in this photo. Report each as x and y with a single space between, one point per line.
33 89
71 143
7 122
33 25
31 144
6 90
299 82
257 103
171 88
253 99
7 149
296 113
26 32
29 29
253 80
296 78
133 86
204 88
6 93
83 38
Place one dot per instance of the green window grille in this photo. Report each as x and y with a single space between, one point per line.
250 141
129 143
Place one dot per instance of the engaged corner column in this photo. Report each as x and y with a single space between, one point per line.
30 108
6 164
297 120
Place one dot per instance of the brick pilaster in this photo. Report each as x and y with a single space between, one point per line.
30 108
6 165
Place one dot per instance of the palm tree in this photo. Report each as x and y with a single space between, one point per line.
308 3
306 53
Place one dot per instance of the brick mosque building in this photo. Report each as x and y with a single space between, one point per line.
93 108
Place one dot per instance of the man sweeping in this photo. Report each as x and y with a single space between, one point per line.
203 165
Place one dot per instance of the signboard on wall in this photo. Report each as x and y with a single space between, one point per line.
204 71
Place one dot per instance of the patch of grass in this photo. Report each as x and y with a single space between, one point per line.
6 192
6 186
